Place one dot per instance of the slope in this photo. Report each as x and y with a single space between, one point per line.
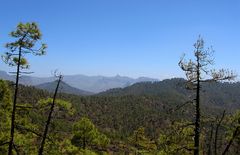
63 88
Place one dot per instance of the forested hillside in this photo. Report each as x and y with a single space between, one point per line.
223 95
199 115
120 116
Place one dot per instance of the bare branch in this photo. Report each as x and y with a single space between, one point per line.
16 150
5 143
24 107
222 75
235 134
181 106
19 127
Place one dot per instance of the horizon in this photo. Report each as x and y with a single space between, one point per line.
32 75
128 38
123 76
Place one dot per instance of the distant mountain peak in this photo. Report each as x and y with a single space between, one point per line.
93 84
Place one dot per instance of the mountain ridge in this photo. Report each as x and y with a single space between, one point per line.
87 83
213 93
63 88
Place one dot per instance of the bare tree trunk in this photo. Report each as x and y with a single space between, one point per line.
40 152
216 132
10 147
198 114
84 143
194 70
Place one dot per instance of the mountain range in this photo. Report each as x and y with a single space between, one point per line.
92 84
216 94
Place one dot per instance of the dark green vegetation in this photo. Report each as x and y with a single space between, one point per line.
120 116
156 118
221 95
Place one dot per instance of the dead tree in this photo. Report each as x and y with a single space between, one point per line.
44 136
195 71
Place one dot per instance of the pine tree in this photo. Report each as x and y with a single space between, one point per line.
140 141
27 37
86 134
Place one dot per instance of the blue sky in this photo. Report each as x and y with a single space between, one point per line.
127 37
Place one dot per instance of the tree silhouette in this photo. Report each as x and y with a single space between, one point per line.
27 37
197 72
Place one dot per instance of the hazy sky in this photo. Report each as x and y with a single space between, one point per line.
127 37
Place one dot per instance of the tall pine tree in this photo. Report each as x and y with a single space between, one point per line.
26 39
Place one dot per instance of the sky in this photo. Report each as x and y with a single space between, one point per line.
126 37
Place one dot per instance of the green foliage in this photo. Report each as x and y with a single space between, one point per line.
116 117
177 138
67 148
87 152
5 95
5 108
23 138
26 35
102 140
233 132
59 125
234 120
61 105
141 142
87 135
